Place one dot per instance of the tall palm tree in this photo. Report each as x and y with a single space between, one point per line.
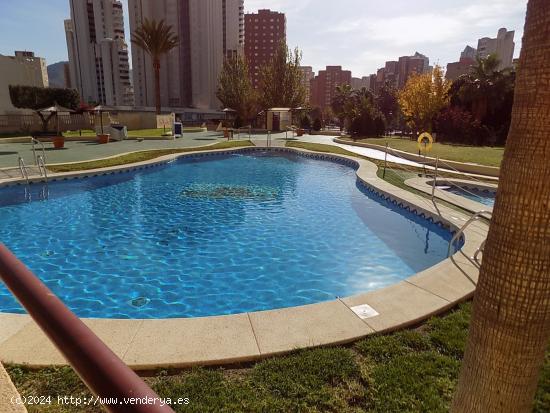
157 39
510 328
343 104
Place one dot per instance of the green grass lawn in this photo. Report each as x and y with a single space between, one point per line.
482 155
413 370
142 156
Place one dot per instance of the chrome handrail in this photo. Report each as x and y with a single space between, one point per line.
34 141
23 170
477 216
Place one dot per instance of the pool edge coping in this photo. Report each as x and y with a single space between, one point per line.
252 336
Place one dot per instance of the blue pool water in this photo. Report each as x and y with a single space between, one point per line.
477 195
214 235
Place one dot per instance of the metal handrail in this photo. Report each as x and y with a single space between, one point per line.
477 216
23 169
34 141
268 139
42 168
100 369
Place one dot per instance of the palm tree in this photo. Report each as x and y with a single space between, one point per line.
510 327
482 85
343 104
157 39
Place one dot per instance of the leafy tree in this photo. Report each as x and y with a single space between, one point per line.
488 94
458 125
510 327
235 90
368 120
423 97
32 97
317 125
386 102
157 39
281 81
344 105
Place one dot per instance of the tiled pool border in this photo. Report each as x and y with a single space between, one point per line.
177 343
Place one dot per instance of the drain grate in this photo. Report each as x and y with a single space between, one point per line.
139 302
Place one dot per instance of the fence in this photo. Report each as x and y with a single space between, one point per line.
18 124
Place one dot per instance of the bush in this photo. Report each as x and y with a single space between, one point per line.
368 123
317 124
457 125
31 97
305 123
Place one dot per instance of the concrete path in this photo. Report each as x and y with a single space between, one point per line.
88 150
379 155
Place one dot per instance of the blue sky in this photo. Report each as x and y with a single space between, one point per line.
357 34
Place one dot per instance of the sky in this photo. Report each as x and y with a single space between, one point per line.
360 35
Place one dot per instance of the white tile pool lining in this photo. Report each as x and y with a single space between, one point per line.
177 343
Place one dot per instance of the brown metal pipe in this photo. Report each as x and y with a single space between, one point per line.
100 369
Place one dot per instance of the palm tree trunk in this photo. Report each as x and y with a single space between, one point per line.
510 327
156 67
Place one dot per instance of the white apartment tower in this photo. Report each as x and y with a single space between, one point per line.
98 52
503 46
208 32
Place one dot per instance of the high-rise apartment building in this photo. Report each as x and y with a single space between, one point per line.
98 53
503 46
22 69
463 66
409 65
208 31
358 83
264 32
307 76
323 87
396 73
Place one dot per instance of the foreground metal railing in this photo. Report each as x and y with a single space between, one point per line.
100 369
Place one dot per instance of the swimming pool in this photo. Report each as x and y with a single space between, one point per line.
485 197
214 235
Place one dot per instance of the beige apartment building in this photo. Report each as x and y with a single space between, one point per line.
307 76
22 69
503 46
98 52
208 30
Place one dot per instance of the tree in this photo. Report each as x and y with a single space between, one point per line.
386 102
235 90
368 120
32 97
488 93
423 97
157 39
510 326
344 105
281 80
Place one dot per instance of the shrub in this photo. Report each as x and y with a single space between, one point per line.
317 124
31 97
457 125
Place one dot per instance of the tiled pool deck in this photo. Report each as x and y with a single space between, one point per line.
176 343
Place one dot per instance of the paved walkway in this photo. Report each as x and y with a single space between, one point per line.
377 154
82 150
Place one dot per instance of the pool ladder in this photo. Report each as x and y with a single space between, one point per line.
25 175
34 142
476 217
